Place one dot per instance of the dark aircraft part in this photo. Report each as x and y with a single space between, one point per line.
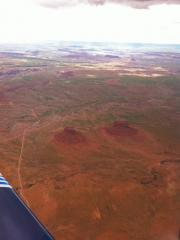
17 222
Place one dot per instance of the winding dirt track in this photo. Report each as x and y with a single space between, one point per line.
21 191
20 159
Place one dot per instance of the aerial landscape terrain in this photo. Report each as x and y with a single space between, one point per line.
90 137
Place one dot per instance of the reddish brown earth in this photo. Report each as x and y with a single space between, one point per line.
70 136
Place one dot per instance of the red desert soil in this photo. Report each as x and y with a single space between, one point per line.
70 136
121 128
112 82
113 236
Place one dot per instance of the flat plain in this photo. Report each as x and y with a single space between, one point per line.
90 136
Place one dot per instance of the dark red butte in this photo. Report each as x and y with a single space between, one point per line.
121 128
70 136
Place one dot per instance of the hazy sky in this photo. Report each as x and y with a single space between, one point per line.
44 20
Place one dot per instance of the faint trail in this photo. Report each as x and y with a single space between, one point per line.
21 191
29 130
34 114
34 128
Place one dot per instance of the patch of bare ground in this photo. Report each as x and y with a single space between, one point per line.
113 236
166 225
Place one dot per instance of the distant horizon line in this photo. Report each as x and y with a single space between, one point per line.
86 42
